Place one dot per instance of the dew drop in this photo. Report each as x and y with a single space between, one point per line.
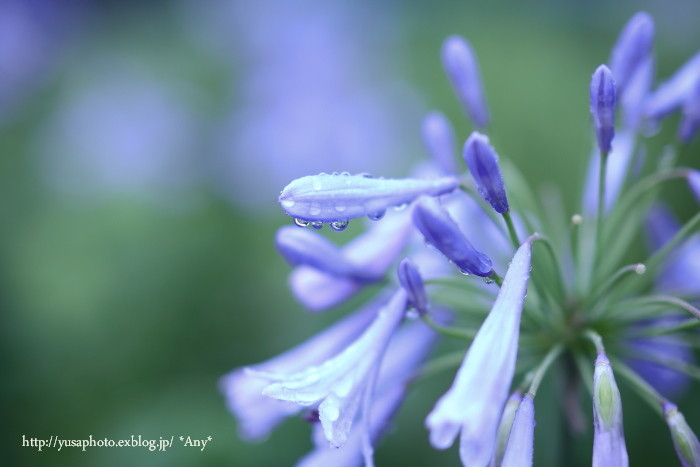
412 314
400 207
288 203
339 226
375 216
300 222
317 183
340 208
463 272
345 174
488 281
315 209
317 225
335 173
366 175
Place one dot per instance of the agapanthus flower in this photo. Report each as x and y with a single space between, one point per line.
569 298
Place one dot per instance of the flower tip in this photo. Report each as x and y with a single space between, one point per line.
412 282
685 442
482 161
463 71
633 46
602 96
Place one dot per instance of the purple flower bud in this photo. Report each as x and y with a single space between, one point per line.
684 440
634 97
482 161
439 139
338 197
603 107
299 246
474 403
412 282
441 231
670 95
522 436
632 47
608 438
461 67
690 122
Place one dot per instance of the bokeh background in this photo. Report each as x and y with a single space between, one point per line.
142 147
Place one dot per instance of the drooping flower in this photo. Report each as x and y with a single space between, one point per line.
603 107
482 161
461 67
258 414
473 405
337 198
407 349
670 95
441 231
338 384
519 450
609 448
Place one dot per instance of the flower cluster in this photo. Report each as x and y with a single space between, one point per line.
587 311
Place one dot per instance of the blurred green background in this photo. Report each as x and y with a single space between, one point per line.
142 147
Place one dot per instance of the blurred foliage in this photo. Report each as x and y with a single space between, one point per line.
121 312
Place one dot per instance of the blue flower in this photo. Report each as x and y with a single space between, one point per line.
461 67
482 161
337 198
441 231
439 139
474 403
520 445
609 448
603 107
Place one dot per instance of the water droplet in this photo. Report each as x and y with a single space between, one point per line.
317 225
301 222
412 314
315 209
466 273
345 174
400 207
339 226
366 175
488 281
288 203
375 216
340 208
335 173
317 183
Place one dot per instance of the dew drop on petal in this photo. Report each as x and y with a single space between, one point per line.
463 272
375 216
340 208
300 222
288 203
315 209
339 226
317 225
400 207
317 183
488 281
345 174
412 314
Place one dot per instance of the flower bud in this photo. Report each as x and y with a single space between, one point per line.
608 437
684 440
633 46
340 197
482 161
412 282
441 231
461 67
439 139
603 107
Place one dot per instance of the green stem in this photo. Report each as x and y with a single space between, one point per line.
644 389
511 229
638 268
585 369
596 339
552 355
496 278
467 334
686 325
600 210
